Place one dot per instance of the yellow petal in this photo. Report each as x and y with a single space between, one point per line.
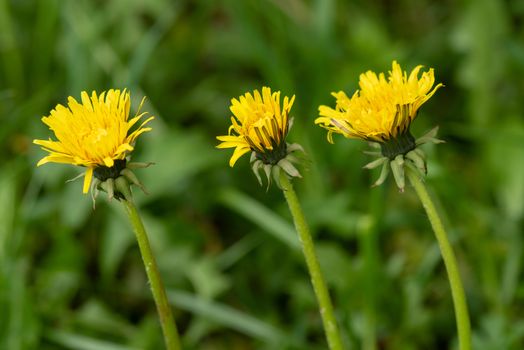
56 158
372 112
230 144
108 162
125 147
229 138
239 152
92 132
87 179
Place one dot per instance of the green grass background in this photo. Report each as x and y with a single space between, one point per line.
71 277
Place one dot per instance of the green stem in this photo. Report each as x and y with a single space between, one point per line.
308 248
167 321
457 290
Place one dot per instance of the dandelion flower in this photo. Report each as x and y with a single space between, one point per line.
260 125
95 133
382 112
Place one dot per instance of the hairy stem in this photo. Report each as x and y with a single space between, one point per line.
167 321
308 248
457 290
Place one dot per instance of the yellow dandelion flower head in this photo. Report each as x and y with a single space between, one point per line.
94 133
382 108
259 124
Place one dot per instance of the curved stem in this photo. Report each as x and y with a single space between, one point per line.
167 321
308 248
457 290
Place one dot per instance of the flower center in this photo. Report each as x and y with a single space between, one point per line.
400 144
98 134
103 173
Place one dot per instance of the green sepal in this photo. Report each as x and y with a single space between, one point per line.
416 170
272 170
410 164
76 177
256 170
139 165
294 147
94 191
109 187
373 153
129 175
374 145
383 174
376 163
267 171
288 167
421 153
123 188
117 185
429 137
418 161
275 173
397 167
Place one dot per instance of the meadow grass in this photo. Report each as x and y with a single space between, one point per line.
71 277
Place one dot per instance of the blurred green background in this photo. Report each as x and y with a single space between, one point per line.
71 277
